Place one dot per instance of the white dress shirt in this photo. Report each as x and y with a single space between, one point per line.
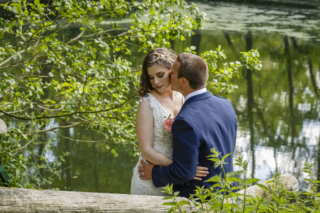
197 92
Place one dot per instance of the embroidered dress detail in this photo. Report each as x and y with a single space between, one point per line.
162 143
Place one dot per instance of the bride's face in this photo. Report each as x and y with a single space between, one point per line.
159 77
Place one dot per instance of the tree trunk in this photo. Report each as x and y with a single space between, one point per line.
27 200
3 174
3 126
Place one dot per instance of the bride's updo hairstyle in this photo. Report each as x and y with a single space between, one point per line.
160 56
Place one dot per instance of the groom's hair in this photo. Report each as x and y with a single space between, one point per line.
194 69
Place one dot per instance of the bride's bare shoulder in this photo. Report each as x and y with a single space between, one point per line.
153 92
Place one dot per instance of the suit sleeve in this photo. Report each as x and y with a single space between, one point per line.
185 157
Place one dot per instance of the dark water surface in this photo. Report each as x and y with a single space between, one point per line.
278 108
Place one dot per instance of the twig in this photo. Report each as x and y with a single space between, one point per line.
78 140
78 36
60 171
7 104
59 127
24 146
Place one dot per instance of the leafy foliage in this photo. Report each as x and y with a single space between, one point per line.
68 63
222 196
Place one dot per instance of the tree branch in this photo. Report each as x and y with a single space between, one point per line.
103 32
22 51
65 115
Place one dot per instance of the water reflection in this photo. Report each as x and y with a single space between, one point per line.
296 22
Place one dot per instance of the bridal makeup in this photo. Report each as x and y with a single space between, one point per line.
159 77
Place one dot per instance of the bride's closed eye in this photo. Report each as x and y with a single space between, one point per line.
159 76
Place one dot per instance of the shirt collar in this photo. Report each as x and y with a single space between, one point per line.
197 92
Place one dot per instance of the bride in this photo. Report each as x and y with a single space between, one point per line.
158 102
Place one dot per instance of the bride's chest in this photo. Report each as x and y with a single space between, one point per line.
173 111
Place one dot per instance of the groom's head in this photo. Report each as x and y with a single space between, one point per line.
189 67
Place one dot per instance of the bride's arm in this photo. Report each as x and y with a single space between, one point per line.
144 128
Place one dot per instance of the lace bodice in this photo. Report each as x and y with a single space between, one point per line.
162 139
162 143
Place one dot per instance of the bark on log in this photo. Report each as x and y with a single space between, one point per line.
3 126
26 200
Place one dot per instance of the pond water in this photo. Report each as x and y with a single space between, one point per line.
278 108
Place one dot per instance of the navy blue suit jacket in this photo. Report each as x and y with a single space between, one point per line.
205 121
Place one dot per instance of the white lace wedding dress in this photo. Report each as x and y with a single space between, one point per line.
162 143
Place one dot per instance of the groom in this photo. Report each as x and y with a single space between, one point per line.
205 121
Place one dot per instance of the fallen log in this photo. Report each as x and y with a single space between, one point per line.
15 200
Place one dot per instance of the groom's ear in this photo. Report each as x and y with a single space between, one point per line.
183 81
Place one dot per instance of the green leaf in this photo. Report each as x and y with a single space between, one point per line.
168 197
169 204
252 180
184 202
236 179
224 157
133 15
229 174
230 206
171 210
215 178
198 20
262 187
11 81
276 198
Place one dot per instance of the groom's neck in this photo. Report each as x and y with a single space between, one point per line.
189 90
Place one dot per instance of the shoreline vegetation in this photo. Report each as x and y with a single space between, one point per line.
275 195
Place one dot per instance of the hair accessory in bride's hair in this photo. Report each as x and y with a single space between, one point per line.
162 56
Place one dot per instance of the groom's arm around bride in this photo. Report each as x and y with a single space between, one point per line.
204 122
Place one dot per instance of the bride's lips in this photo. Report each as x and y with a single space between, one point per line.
159 87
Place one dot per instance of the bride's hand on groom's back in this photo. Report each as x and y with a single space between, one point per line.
201 172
